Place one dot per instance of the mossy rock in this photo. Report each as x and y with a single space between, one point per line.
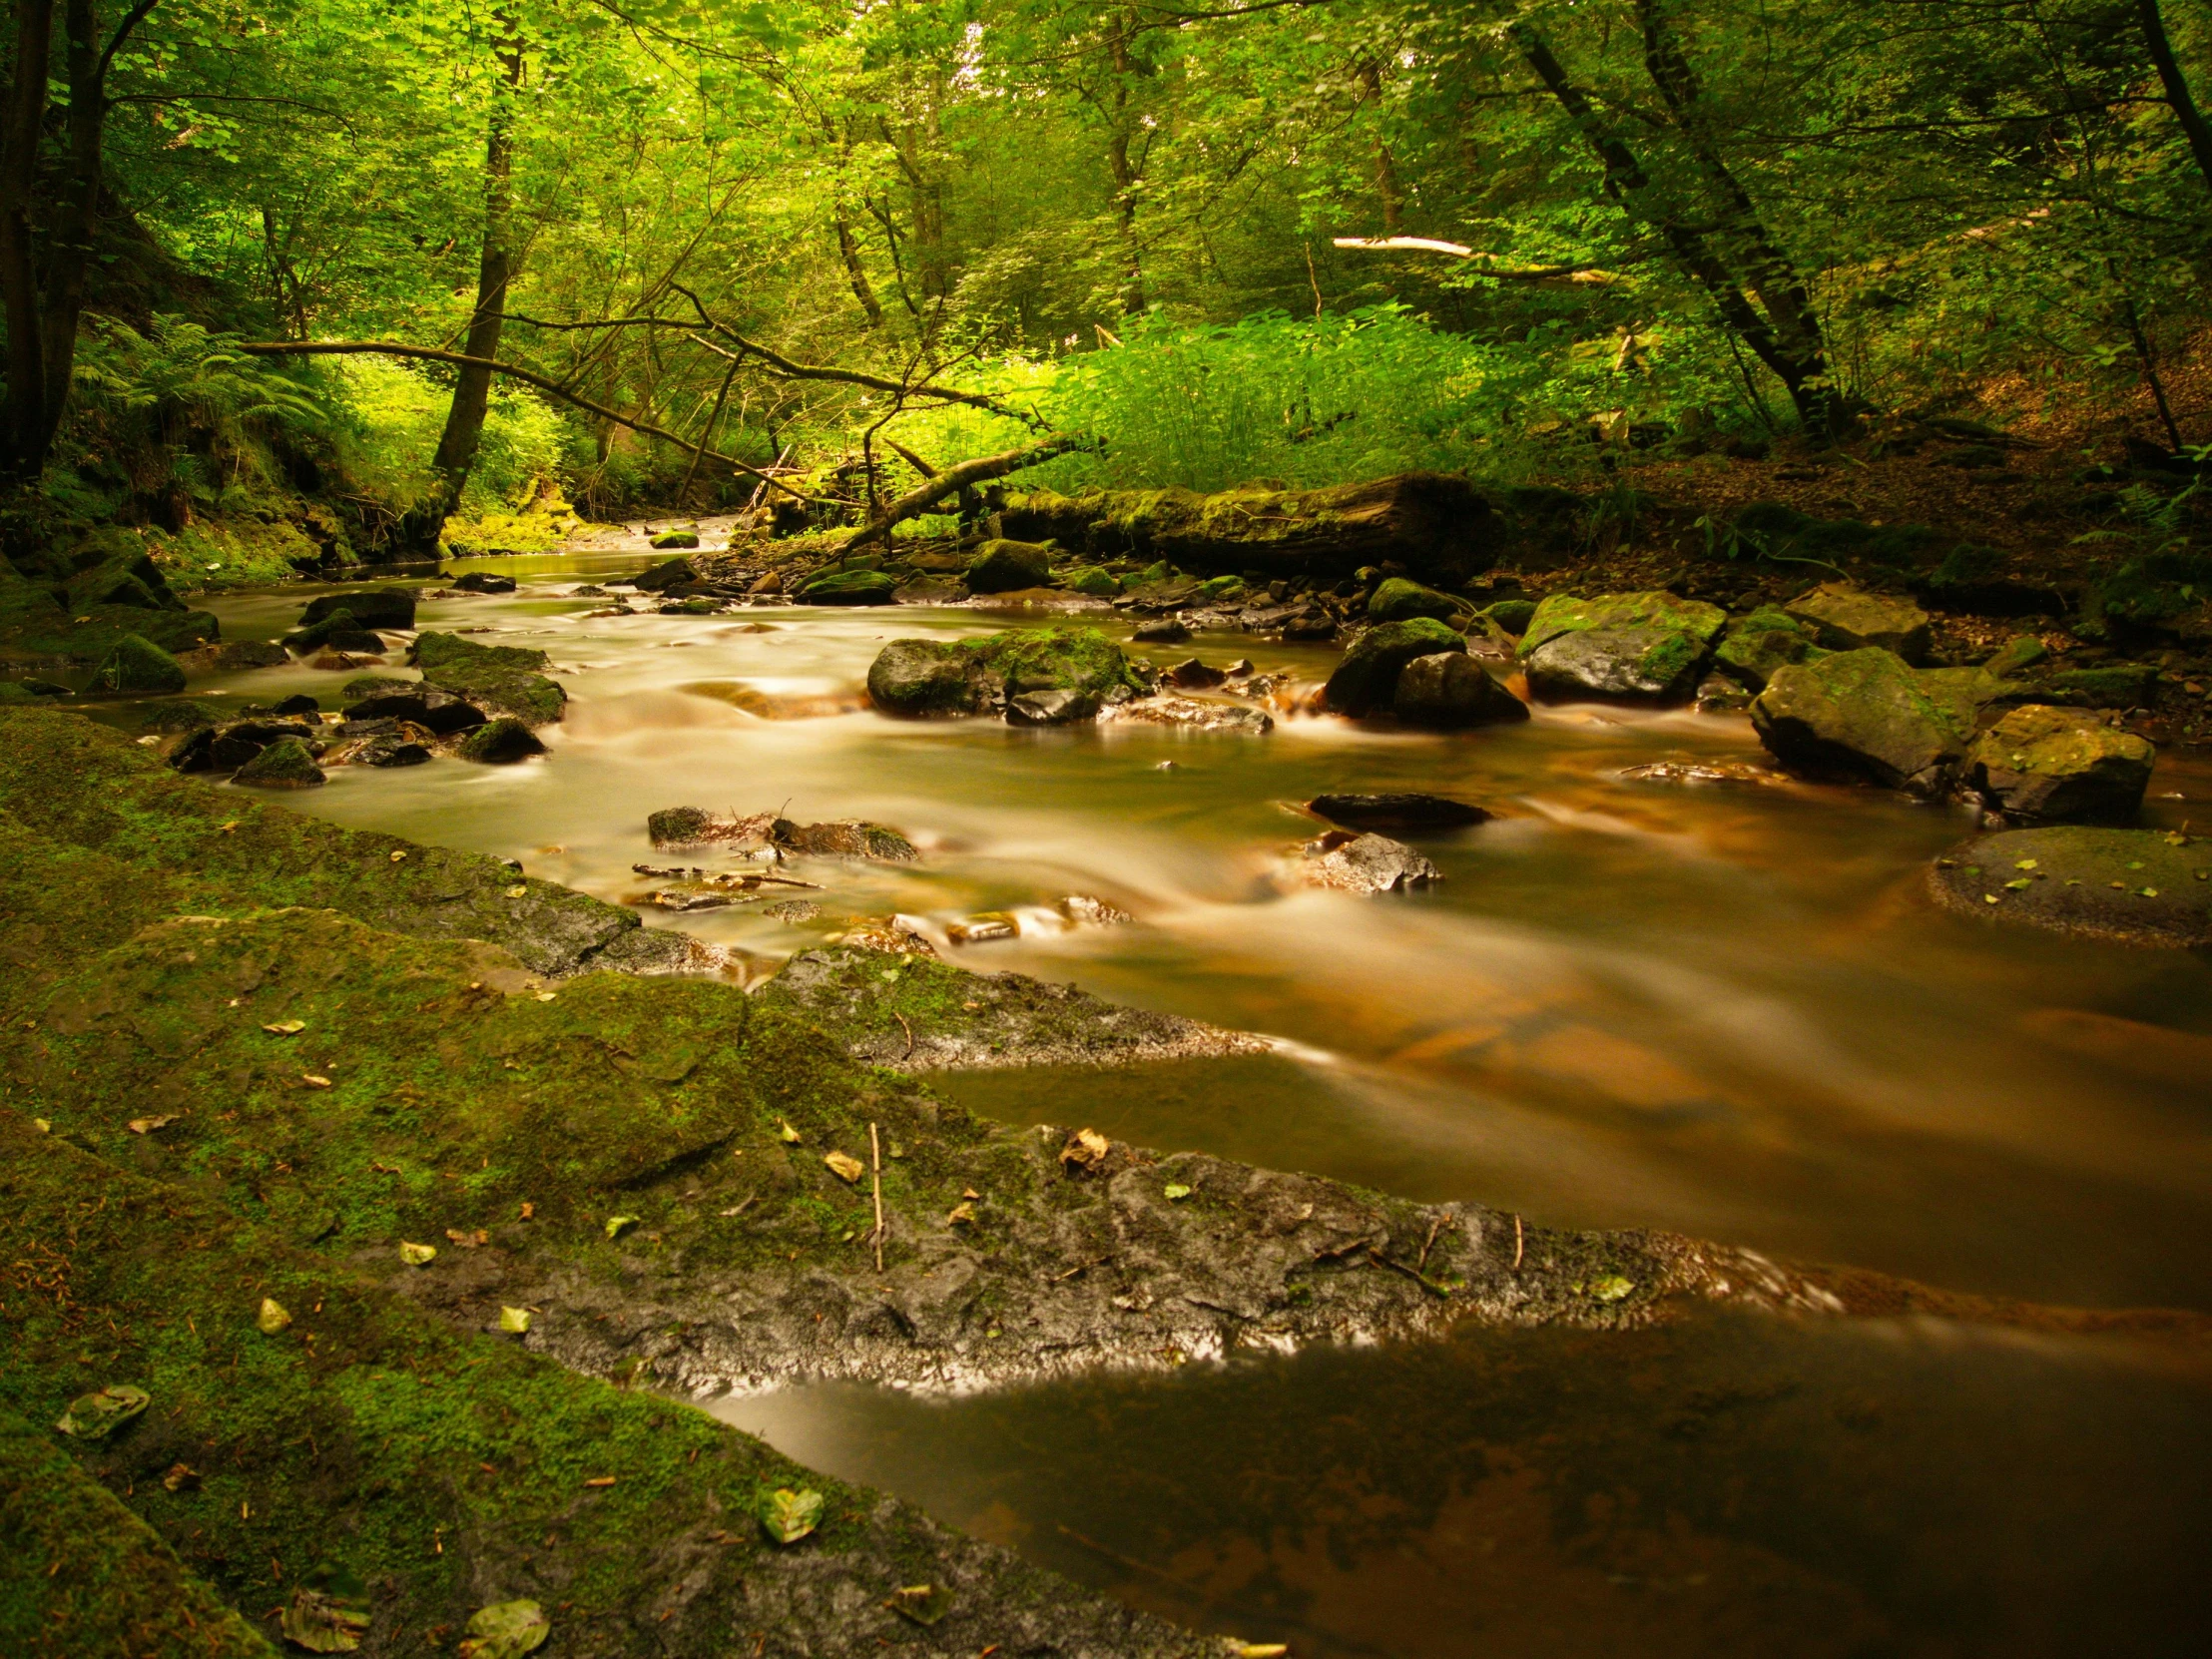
2062 765
283 765
669 573
1760 643
370 607
339 629
1026 660
1447 690
850 587
1365 681
1398 600
500 743
2016 655
1845 618
136 667
1626 665
1564 613
13 695
1511 615
1006 566
919 678
2135 886
1865 715
1095 581
498 679
670 539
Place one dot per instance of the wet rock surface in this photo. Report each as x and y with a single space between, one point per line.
1631 646
497 679
1399 811
1005 566
1845 618
368 607
1862 714
1365 681
1195 714
1449 691
1364 863
1065 674
2062 765
2135 886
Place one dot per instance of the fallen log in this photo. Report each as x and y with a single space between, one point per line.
1435 524
935 487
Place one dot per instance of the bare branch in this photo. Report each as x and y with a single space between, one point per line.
954 479
1458 251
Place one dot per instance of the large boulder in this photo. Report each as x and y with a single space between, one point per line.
1056 659
498 679
2137 887
920 678
1762 642
2063 764
1622 647
1449 689
1436 525
1865 715
1847 619
849 587
136 667
1397 600
371 607
500 743
1004 566
339 629
1365 681
283 765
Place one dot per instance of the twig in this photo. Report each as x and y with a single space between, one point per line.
910 1030
1429 1243
1517 1244
875 1155
1421 1279
1080 1266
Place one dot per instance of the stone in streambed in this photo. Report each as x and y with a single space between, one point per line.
1864 715
376 697
2062 764
849 587
283 765
1193 713
1397 812
1161 631
500 743
338 630
1367 864
1008 566
2135 886
1366 680
1056 706
670 539
919 678
849 838
1639 665
933 676
1450 690
137 667
498 679
368 607
480 581
1762 642
1847 619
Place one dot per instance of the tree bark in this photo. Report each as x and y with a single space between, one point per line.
1386 185
951 481
24 411
2177 86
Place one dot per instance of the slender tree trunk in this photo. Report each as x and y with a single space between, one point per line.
1386 187
848 245
24 411
1128 174
465 420
2177 86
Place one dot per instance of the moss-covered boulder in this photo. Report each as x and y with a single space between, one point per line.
1003 566
850 587
1760 643
2016 655
339 630
36 627
285 763
370 607
920 678
2135 886
2062 764
1635 665
136 667
383 697
1365 681
1847 618
1513 615
1055 659
669 539
1565 613
1449 690
1397 600
14 693
498 679
1436 525
1095 581
500 743
1862 714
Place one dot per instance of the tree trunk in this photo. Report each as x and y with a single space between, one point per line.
1127 175
25 413
2177 86
465 420
1386 185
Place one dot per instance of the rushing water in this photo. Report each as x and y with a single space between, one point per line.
1721 1010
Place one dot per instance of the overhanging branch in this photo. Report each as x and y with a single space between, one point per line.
954 479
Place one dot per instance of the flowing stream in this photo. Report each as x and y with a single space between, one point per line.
1722 1009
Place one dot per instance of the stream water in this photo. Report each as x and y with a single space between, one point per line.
1720 1009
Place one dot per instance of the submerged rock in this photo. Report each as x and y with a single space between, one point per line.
849 587
1399 811
1161 631
1365 681
498 679
2063 765
338 630
500 743
1366 864
1008 566
675 538
136 667
379 697
1194 714
1865 715
283 765
1450 690
1848 619
2136 887
480 581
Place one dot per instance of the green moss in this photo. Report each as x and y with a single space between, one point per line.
1566 613
1043 658
500 679
137 667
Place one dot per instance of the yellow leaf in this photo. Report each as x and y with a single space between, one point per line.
514 1321
789 1134
844 1166
417 1255
315 1082
286 1028
273 1318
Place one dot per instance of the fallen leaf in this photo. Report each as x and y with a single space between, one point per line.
844 1166
1176 1189
328 1613
619 1225
398 857
146 1125
518 890
1258 1650
924 1604
273 1318
545 996
790 1135
467 1240
514 1321
601 1481
417 1256
181 1479
2025 863
314 1082
788 1516
506 1630
286 1028
1086 1149
1612 1288
2015 886
45 1126
528 1210
95 1416
961 1215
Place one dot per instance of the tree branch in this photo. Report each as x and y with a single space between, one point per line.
954 479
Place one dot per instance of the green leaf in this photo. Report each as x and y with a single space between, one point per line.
1176 1189
788 1516
1612 1288
273 1316
924 1604
328 1613
514 1321
95 1416
417 1255
619 1225
506 1630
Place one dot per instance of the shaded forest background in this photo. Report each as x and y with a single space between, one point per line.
1698 234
